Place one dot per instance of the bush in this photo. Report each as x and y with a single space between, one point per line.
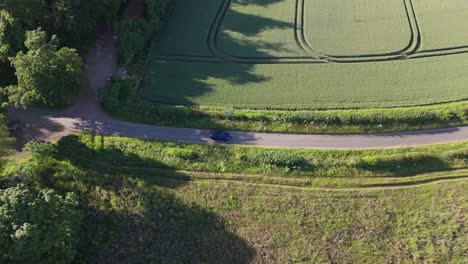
40 150
38 226
173 112
402 163
459 155
109 97
115 95
281 159
134 35
181 153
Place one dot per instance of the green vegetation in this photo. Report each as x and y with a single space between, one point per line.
139 206
6 141
434 27
132 155
261 78
120 99
47 76
38 226
73 21
247 65
135 33
383 27
11 35
307 86
253 75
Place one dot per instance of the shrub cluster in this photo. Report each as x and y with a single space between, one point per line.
114 97
282 159
136 33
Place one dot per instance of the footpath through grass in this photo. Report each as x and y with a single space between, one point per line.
141 208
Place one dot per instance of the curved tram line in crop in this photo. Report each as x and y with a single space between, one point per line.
411 51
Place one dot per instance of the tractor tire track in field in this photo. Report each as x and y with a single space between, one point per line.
224 177
304 183
411 48
299 36
212 44
351 189
411 51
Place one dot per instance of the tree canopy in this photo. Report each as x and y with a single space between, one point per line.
38 226
11 35
47 76
74 21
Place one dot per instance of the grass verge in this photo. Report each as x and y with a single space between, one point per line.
121 100
140 207
130 155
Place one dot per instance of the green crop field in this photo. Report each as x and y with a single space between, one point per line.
310 54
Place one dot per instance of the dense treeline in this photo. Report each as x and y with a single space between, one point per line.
73 21
41 76
40 66
39 45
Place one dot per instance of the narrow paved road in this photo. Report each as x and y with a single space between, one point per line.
86 115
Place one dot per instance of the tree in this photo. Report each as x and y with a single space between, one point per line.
30 12
47 76
6 141
11 35
11 41
75 20
134 34
38 226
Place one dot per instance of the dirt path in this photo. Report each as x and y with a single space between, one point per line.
86 115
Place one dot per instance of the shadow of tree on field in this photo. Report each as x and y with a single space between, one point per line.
134 216
174 83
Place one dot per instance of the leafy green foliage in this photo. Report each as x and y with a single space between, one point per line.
282 159
6 141
11 35
74 21
116 94
38 226
31 13
11 41
134 35
47 76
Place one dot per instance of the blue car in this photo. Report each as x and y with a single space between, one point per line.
220 135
